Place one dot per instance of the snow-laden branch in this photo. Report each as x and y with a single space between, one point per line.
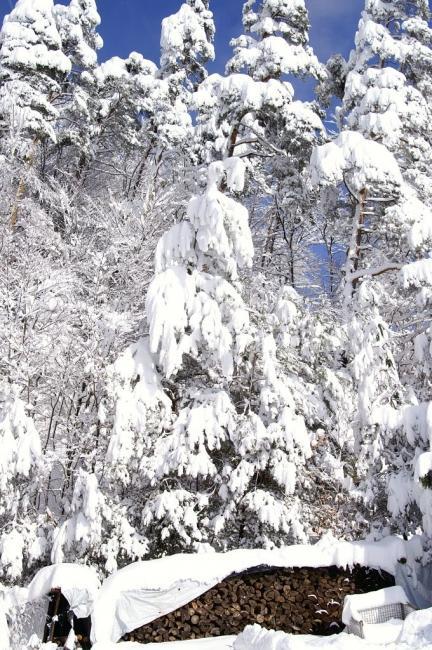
375 271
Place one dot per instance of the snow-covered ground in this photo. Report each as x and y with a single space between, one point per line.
415 633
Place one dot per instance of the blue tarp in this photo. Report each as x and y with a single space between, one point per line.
417 583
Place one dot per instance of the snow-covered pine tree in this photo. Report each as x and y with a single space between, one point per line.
383 102
277 42
32 68
187 44
140 122
361 168
220 464
406 38
95 529
22 539
77 24
276 48
183 459
384 106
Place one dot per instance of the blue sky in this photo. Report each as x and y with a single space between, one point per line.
135 25
129 25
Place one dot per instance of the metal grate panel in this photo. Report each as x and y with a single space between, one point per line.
376 615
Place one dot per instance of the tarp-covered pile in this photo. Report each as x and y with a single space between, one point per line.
145 591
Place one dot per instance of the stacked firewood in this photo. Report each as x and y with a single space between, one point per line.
299 601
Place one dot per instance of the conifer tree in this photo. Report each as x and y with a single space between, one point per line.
277 41
223 465
77 24
139 113
187 44
274 49
236 420
386 108
32 67
22 539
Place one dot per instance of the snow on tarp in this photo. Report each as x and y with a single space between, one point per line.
79 585
383 633
355 604
143 591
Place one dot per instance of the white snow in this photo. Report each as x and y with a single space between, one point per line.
424 464
415 419
417 631
214 236
20 442
412 634
383 633
4 628
32 64
84 522
116 68
417 274
236 170
277 43
383 106
421 231
218 643
186 26
241 88
364 161
372 39
274 53
256 638
75 22
21 32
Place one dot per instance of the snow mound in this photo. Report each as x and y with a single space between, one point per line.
416 633
256 638
417 630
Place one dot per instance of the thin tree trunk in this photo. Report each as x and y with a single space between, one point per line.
354 253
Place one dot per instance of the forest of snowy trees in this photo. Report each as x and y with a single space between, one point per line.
215 298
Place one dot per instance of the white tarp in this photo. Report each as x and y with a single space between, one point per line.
79 585
132 609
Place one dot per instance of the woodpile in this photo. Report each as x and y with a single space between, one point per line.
299 601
